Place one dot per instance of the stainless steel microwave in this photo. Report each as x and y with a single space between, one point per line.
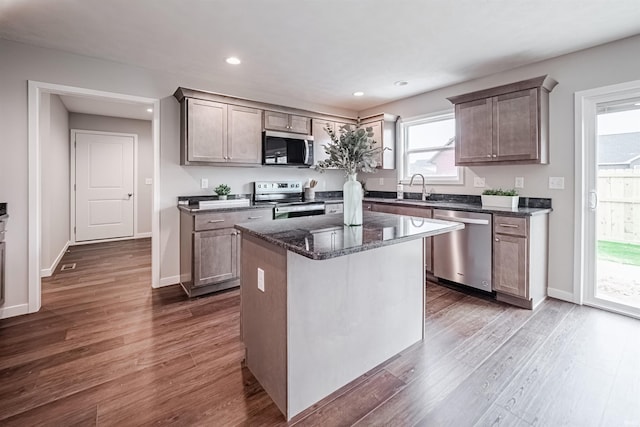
287 149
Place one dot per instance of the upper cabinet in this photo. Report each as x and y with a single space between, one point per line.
321 137
384 133
215 133
504 125
284 122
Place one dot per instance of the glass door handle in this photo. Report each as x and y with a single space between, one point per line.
593 200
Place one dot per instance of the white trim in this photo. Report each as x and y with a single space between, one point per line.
47 272
14 310
560 294
402 148
168 281
584 265
143 235
115 239
35 89
72 163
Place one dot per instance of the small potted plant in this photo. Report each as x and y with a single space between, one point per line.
222 190
500 199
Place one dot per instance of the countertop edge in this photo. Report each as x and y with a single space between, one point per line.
459 207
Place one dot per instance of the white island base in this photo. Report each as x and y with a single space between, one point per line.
320 324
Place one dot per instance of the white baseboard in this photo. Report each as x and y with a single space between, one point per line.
14 310
561 295
143 235
168 281
47 272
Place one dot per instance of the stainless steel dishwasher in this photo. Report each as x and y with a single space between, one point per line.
464 256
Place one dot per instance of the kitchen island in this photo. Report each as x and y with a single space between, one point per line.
322 303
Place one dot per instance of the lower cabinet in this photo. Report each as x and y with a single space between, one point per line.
520 259
210 249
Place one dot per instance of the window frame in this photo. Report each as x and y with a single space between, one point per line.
403 131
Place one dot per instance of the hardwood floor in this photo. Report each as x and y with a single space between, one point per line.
106 349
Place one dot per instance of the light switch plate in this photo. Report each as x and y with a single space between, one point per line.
204 183
261 279
478 181
519 182
148 181
556 182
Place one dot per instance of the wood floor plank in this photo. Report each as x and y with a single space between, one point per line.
107 349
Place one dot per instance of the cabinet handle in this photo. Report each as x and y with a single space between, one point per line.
497 240
495 155
508 225
212 221
488 155
254 217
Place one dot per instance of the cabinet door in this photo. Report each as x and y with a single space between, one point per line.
207 131
515 126
510 265
320 138
474 134
276 121
215 256
299 124
245 135
378 136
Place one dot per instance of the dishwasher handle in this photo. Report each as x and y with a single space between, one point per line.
463 220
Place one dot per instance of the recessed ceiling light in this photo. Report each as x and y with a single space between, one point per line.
233 60
401 83
358 93
149 110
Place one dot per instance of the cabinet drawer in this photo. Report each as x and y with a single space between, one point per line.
516 226
213 221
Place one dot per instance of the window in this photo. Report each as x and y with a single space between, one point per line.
428 145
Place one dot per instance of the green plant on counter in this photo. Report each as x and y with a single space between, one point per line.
500 192
222 190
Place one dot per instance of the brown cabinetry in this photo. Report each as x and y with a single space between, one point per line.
504 125
321 137
520 259
210 249
284 122
384 133
218 133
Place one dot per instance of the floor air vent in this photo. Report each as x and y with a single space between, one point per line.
66 267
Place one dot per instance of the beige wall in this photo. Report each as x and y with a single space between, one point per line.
21 63
54 135
604 65
142 128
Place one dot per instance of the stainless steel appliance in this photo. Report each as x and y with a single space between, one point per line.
287 149
286 197
464 256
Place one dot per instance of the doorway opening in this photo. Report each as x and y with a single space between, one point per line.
38 92
608 198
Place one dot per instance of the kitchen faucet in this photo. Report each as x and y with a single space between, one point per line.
424 187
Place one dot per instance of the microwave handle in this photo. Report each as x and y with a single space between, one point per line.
306 152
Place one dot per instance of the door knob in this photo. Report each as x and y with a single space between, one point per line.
129 194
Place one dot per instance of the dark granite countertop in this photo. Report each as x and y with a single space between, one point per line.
3 211
460 206
325 236
194 209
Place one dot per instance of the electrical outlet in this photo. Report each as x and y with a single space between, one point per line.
519 182
381 181
261 279
556 182
148 181
204 183
478 181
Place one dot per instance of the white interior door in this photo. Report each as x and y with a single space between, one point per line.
104 175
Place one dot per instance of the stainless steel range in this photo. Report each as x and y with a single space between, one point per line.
286 198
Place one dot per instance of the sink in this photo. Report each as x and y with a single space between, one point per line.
221 204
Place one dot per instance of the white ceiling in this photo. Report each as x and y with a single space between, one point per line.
86 105
322 51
